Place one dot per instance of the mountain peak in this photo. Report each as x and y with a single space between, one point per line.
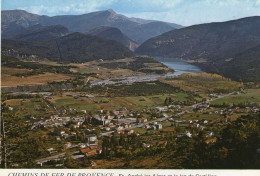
111 11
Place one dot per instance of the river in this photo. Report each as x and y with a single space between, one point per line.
178 66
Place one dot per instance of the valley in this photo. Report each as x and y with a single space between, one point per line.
134 119
104 91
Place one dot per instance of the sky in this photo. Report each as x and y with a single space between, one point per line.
183 12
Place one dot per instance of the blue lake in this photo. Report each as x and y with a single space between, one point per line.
179 66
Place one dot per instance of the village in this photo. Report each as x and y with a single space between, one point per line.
82 133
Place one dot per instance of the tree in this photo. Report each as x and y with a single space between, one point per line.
68 160
166 101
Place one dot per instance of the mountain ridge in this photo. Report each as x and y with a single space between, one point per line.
75 47
84 22
38 33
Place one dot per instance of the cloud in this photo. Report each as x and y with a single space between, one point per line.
203 11
185 12
68 7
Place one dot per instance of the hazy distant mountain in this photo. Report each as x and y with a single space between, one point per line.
86 22
40 33
215 43
143 21
113 34
74 47
13 21
145 31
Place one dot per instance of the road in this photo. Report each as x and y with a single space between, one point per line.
221 96
43 160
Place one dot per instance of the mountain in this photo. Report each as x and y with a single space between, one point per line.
142 32
13 21
111 33
143 21
40 33
212 46
86 22
75 47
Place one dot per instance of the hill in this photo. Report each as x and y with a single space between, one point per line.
245 66
215 47
75 47
111 33
40 33
85 22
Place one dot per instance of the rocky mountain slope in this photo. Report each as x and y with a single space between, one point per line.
113 34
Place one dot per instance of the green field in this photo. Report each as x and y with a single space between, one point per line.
251 96
199 116
115 103
32 107
79 104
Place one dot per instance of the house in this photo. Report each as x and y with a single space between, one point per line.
63 111
141 120
146 145
82 145
89 96
162 143
120 149
146 126
88 152
129 131
158 126
159 108
101 120
210 134
62 132
119 128
84 111
76 126
50 150
187 133
126 125
152 127
67 145
213 95
92 139
107 128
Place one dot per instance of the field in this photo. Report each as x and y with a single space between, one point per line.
251 96
114 103
203 83
36 107
199 116
9 80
